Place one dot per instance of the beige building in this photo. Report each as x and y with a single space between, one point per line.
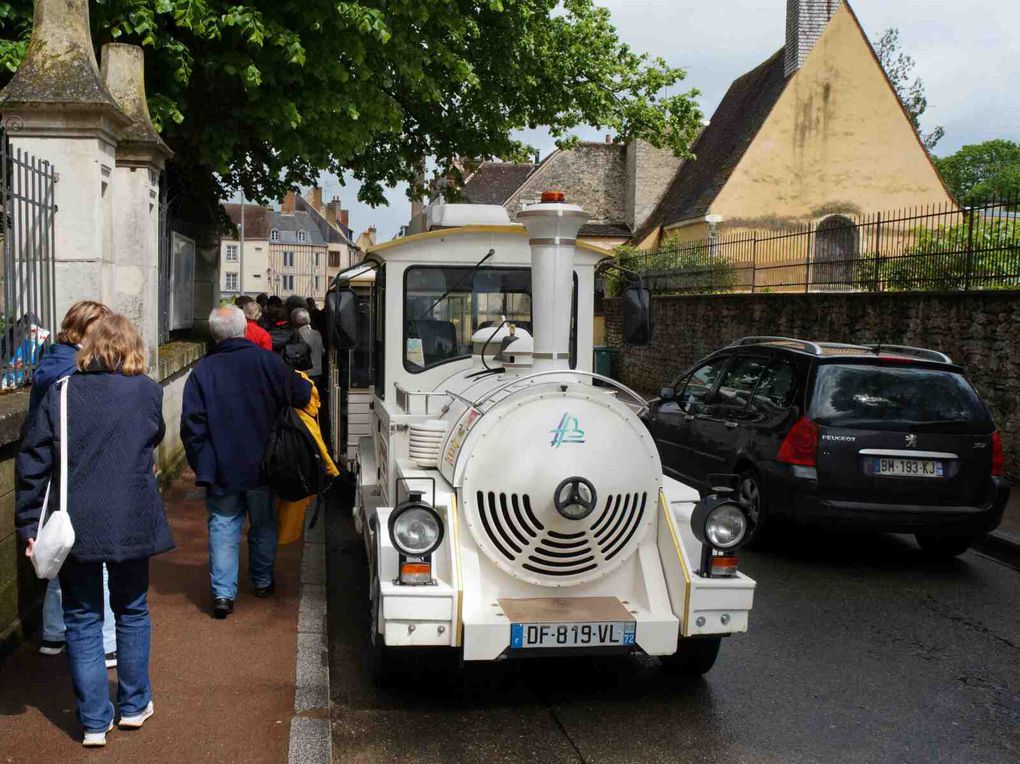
244 256
813 134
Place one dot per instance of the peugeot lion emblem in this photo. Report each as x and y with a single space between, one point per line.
911 440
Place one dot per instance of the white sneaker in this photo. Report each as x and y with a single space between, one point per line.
136 721
96 739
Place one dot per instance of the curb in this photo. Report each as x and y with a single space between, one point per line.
311 739
1001 546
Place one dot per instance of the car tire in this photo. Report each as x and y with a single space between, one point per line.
694 657
943 547
749 491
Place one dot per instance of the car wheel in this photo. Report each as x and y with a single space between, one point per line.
750 494
944 547
694 657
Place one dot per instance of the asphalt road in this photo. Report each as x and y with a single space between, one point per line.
859 651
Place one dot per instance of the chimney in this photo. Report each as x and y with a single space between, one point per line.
288 203
805 22
333 211
345 218
552 232
316 198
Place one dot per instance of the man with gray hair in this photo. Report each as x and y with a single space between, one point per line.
231 402
302 320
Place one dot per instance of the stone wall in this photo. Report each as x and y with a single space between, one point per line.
980 331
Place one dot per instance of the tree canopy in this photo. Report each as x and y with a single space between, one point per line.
983 171
900 68
262 96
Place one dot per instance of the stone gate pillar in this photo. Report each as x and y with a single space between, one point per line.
57 107
140 157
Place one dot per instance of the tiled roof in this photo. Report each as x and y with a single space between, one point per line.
256 219
495 182
605 229
721 146
289 224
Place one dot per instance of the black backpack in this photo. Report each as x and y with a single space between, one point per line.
292 461
297 353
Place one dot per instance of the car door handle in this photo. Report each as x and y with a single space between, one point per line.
731 425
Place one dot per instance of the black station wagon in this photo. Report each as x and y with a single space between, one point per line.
881 437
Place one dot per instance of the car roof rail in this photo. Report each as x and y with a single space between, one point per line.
922 354
811 347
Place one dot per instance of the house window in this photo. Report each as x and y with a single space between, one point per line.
836 245
317 259
231 253
288 283
316 283
256 275
231 281
274 235
288 259
334 259
302 236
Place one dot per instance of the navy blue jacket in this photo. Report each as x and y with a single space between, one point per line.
58 362
231 402
114 422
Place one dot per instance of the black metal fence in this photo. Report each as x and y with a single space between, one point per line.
27 296
933 248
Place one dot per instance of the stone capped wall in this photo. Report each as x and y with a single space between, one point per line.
980 331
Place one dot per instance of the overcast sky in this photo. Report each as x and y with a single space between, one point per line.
968 55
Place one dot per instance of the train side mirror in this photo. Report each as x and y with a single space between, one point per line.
637 315
345 319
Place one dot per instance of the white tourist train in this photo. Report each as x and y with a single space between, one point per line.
512 503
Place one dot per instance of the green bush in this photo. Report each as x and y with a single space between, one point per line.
687 268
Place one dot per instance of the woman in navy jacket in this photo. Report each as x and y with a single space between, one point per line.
115 420
57 363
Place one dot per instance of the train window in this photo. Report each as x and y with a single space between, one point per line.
379 331
445 305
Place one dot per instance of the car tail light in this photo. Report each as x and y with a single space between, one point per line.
800 446
998 457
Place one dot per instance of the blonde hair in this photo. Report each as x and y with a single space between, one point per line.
113 344
79 318
252 311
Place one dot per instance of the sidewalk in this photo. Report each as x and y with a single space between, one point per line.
1004 542
223 690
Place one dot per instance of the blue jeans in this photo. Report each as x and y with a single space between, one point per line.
82 586
53 615
226 519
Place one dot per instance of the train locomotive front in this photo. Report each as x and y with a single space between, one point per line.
516 507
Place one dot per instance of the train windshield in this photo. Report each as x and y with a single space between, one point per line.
445 305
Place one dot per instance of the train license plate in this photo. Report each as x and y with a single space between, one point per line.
922 468
599 634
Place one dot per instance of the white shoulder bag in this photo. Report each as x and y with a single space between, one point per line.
55 537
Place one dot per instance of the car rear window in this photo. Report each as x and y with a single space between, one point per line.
884 398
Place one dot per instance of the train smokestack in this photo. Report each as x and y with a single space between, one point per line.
552 232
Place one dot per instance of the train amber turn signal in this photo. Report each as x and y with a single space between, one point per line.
415 572
553 197
724 566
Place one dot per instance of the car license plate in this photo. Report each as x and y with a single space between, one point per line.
925 468
601 634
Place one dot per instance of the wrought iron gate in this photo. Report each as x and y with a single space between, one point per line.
27 296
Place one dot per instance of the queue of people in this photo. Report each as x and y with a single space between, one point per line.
96 609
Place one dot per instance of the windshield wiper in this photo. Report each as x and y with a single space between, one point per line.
467 275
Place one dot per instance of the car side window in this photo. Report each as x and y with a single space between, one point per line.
739 382
776 389
699 386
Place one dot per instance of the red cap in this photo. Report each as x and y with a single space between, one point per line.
553 197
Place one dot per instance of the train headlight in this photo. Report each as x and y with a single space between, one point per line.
726 526
416 529
720 521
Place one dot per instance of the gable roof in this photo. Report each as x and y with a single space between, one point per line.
495 182
721 145
288 224
333 234
256 219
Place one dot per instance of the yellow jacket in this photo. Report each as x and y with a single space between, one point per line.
310 416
